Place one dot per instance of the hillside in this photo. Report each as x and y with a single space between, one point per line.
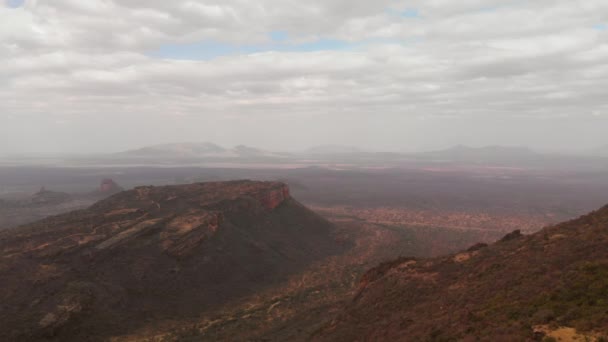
150 255
547 285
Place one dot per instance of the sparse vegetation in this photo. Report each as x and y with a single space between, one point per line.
505 290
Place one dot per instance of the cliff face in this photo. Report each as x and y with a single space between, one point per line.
152 253
273 198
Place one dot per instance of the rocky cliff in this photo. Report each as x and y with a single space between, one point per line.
152 254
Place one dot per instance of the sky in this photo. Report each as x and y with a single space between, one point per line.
109 75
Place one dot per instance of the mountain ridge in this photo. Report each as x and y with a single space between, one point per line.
195 150
498 292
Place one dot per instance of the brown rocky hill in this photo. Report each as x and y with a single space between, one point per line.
152 254
552 285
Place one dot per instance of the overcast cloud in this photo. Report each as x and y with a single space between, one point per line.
108 75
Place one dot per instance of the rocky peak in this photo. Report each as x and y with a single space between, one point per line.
108 186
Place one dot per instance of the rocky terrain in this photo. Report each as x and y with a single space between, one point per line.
551 285
152 255
243 260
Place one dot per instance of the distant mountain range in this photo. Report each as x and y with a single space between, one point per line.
207 149
333 149
213 155
195 150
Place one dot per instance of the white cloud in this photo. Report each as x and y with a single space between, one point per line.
74 61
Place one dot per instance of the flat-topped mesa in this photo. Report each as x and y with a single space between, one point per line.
199 195
172 251
176 218
188 214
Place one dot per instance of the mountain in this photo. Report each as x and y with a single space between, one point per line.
552 285
151 255
196 152
333 149
189 149
108 186
246 151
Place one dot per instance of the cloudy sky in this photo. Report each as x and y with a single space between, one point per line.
108 75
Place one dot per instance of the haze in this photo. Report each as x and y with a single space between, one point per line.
105 76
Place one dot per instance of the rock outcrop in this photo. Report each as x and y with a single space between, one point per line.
108 186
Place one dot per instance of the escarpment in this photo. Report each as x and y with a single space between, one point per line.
152 254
